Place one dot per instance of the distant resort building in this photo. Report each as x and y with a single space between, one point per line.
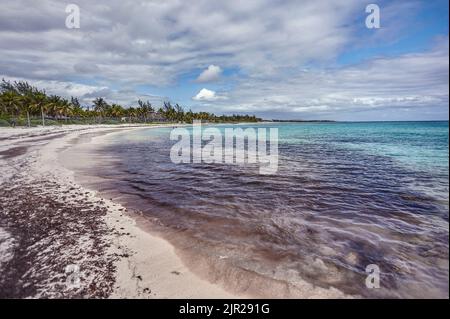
156 117
152 117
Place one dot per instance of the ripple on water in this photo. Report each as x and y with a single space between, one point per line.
329 212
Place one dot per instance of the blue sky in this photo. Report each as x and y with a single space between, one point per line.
276 59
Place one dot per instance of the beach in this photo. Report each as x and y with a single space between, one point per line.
254 152
100 211
51 225
48 222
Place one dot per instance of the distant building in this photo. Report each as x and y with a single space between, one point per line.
157 117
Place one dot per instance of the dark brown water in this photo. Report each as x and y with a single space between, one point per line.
335 206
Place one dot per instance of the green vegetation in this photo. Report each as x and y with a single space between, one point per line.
22 104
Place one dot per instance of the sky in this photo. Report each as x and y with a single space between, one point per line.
277 59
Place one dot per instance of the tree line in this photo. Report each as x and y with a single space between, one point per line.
23 103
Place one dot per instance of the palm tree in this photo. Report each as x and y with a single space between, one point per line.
169 111
100 106
54 105
116 110
65 108
26 105
145 108
39 101
179 113
132 113
189 116
20 97
26 93
10 101
77 110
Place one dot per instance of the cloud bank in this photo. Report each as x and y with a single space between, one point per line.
284 55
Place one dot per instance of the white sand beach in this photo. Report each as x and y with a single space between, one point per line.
49 222
143 265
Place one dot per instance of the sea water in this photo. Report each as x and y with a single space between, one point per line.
346 195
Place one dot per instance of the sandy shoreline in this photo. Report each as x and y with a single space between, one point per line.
48 223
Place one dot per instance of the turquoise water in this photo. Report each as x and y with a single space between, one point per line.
346 195
417 145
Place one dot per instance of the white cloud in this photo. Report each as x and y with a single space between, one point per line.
404 86
212 73
268 44
167 38
208 96
87 93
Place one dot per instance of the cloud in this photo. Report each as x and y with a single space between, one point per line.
86 68
208 96
212 73
87 93
167 38
383 88
290 71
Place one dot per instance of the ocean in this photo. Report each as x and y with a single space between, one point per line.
346 195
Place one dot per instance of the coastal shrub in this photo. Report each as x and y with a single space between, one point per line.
21 122
51 122
4 123
37 122
110 121
76 122
81 121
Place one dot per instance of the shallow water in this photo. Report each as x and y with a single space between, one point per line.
346 195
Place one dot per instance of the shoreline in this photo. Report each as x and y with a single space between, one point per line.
116 258
130 258
239 281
